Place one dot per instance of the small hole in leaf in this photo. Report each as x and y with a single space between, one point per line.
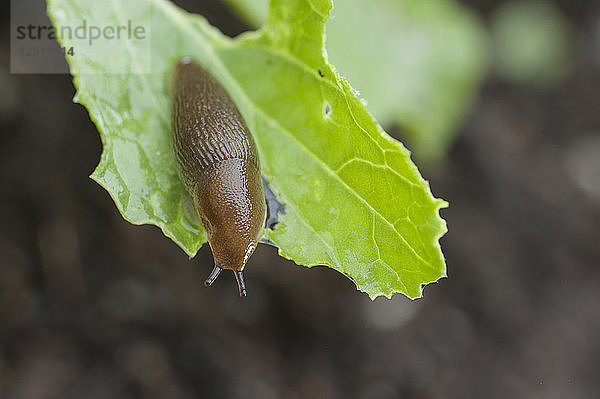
327 110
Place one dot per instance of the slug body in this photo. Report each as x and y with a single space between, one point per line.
219 166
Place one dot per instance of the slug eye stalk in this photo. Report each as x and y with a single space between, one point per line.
218 164
239 276
213 276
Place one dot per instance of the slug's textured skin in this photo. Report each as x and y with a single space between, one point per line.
219 166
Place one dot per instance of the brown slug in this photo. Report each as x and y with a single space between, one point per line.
219 166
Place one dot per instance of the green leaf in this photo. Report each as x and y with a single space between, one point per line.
354 200
418 63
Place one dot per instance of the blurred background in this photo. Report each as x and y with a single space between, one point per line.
94 307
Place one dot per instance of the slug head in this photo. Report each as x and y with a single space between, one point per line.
231 205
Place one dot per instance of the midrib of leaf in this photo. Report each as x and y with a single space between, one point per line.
295 61
244 97
329 171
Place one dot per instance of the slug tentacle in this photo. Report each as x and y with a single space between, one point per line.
219 166
239 276
213 276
